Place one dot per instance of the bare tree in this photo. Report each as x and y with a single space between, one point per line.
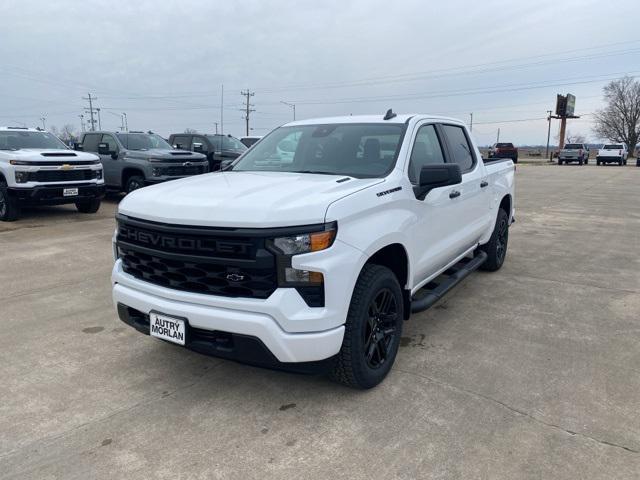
619 121
573 138
68 133
190 130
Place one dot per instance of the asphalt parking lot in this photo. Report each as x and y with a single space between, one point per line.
530 372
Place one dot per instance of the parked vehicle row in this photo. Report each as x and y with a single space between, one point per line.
218 149
329 232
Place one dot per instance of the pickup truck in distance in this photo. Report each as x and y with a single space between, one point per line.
311 262
132 160
219 149
504 150
36 168
574 152
612 153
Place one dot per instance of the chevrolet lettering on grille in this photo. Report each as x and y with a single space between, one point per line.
175 243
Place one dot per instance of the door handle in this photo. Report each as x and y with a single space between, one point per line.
454 194
484 184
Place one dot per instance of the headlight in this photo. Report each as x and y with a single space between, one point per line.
306 242
18 162
287 247
22 177
99 174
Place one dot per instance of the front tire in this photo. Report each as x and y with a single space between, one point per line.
134 182
496 247
372 330
88 206
9 209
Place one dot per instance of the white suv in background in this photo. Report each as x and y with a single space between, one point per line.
36 168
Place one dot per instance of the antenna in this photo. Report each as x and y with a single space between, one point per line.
389 115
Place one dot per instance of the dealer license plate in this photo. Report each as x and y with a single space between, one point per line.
69 192
167 328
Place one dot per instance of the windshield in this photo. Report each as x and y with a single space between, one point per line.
356 150
573 146
613 147
143 141
228 143
15 140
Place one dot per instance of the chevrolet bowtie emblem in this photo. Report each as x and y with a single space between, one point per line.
66 166
234 277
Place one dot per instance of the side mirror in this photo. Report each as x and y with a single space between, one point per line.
198 148
436 176
177 146
103 148
77 146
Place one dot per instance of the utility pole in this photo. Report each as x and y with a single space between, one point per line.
126 123
99 120
293 106
247 108
549 112
222 110
89 110
498 138
216 124
43 120
81 122
471 123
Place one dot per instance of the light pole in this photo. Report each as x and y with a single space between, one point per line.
81 122
548 133
293 107
126 124
44 125
99 120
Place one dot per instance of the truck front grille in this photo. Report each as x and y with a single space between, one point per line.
182 171
62 175
199 260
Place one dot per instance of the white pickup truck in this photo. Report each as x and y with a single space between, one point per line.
312 262
612 153
36 168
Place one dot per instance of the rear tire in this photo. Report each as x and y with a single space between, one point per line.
620 162
9 209
581 162
372 330
496 247
88 206
134 182
559 162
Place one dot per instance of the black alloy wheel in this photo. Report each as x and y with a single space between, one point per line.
380 329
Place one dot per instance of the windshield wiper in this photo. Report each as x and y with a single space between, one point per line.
319 172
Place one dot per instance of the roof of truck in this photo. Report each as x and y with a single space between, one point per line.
398 119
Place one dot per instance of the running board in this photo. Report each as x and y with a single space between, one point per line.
454 275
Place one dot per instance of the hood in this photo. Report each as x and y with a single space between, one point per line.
169 154
51 155
242 199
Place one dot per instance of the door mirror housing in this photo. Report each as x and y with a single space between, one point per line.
198 148
77 146
103 149
436 176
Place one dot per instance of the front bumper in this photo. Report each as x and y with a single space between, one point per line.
53 194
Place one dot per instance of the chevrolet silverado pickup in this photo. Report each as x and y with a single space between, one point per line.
612 153
574 152
36 168
311 261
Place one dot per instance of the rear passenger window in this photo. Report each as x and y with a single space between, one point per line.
181 142
459 146
426 151
90 142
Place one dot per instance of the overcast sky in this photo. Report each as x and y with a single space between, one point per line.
163 63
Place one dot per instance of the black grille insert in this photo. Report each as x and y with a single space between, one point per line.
62 175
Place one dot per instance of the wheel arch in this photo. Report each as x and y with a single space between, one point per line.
129 172
506 204
394 256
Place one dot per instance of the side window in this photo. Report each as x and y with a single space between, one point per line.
90 142
426 151
109 140
459 146
182 141
199 141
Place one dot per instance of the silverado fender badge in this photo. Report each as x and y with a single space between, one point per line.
387 192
